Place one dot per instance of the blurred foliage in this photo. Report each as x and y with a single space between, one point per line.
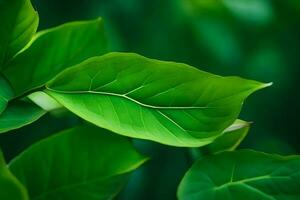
257 39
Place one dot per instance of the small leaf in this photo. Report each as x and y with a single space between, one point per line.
244 174
6 93
19 114
19 22
231 137
52 51
83 163
10 187
166 102
44 101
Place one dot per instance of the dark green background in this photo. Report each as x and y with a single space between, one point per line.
256 39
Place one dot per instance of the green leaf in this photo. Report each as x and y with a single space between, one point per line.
231 137
80 163
19 114
44 101
10 187
52 51
6 93
244 174
19 22
167 102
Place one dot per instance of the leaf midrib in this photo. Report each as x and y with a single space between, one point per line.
129 98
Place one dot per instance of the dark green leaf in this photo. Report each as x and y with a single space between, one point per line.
80 163
5 94
231 137
167 102
19 114
52 51
10 187
244 174
19 22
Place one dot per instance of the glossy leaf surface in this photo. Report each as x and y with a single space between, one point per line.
19 114
244 174
19 22
52 51
80 163
10 187
167 102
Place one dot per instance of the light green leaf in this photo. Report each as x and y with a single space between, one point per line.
167 102
19 114
83 163
19 22
244 174
231 137
6 93
10 187
52 51
44 101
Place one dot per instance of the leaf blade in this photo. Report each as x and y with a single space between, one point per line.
19 24
84 39
234 174
6 94
11 188
19 114
102 163
166 102
231 137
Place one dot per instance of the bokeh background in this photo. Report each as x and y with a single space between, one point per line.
255 39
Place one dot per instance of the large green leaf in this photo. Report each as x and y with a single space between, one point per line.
6 93
167 102
244 174
10 187
19 114
19 22
52 51
231 137
80 163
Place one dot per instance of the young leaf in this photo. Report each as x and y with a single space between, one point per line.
6 94
10 187
244 174
19 22
81 163
167 102
19 114
231 137
52 51
44 101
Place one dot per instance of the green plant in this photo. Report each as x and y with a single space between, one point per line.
171 103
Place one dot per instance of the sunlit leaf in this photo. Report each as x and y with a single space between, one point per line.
167 102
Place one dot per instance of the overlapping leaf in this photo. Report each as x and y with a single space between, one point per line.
19 114
167 102
52 51
244 174
81 163
231 137
10 187
19 22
